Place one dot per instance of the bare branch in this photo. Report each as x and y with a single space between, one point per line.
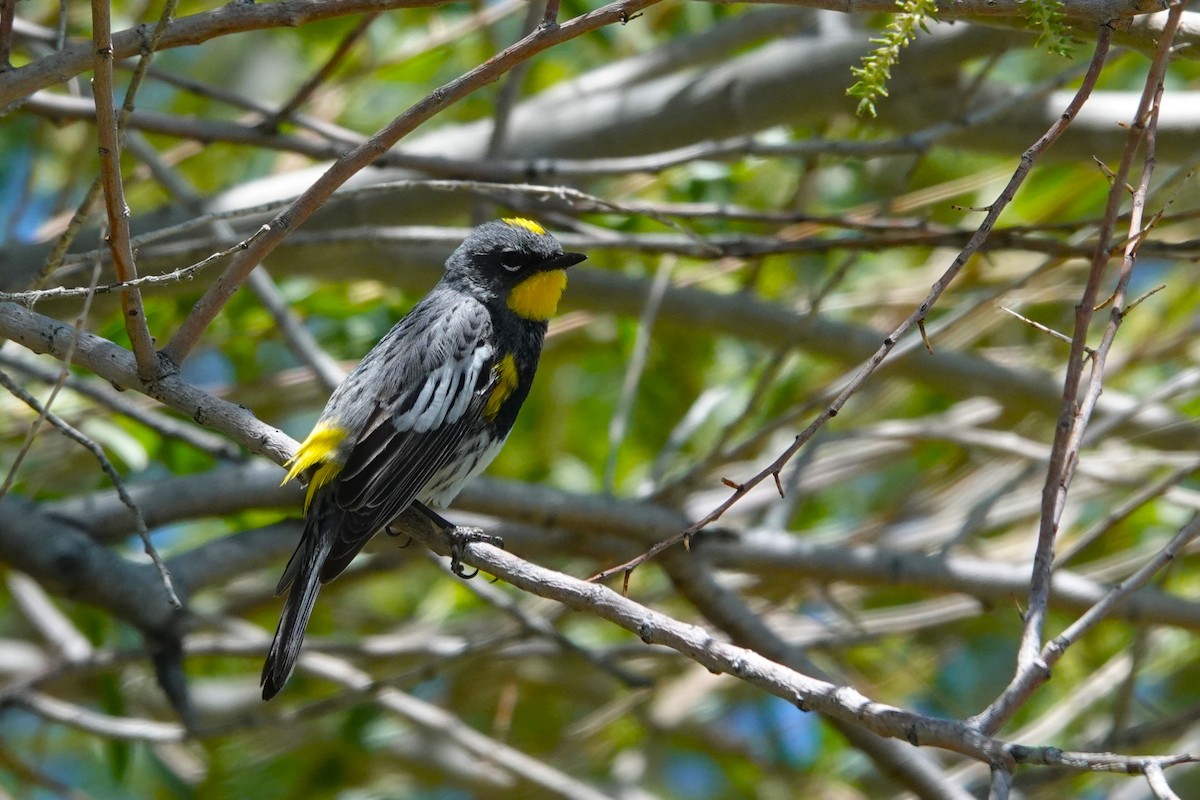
1094 11
44 335
219 293
114 194
118 483
1074 414
194 29
106 725
1158 782
852 384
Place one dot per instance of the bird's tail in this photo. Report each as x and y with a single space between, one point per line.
303 573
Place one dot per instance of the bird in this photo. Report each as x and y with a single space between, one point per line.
424 411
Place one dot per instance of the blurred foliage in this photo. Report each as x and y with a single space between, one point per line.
927 489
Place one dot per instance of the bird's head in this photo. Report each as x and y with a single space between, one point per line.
517 261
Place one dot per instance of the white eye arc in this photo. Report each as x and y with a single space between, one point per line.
515 267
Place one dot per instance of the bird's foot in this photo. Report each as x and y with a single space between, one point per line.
459 537
394 532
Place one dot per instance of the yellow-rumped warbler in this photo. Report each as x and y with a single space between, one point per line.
426 410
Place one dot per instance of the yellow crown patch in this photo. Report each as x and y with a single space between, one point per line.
527 224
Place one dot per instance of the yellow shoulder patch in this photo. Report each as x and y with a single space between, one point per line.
536 297
316 451
506 384
527 224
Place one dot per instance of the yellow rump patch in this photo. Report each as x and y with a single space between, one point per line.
527 224
506 384
536 297
316 451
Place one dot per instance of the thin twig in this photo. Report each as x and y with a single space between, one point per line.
441 30
1074 412
59 380
1122 512
322 74
174 276
65 239
1055 648
190 30
114 192
97 451
866 370
502 108
541 626
297 337
1037 326
633 372
214 299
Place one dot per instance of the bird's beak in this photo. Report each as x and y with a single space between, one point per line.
564 261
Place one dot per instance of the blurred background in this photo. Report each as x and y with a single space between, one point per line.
753 237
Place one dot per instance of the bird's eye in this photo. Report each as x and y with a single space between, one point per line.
510 261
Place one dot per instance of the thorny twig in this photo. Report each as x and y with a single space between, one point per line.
860 377
1032 669
114 194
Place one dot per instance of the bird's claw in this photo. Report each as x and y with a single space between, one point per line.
459 538
392 531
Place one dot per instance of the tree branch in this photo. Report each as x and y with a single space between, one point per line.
228 19
116 364
1074 415
114 194
218 294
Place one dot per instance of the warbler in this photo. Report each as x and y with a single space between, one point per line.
425 410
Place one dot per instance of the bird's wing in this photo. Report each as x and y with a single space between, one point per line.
433 395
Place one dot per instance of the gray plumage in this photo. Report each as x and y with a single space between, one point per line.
413 412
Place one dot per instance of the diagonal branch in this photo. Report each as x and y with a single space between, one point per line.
323 74
117 365
1032 669
97 452
194 29
917 318
273 233
806 692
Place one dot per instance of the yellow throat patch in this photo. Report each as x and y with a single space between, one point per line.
315 451
506 384
536 297
527 224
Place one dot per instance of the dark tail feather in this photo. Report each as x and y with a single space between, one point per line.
303 572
